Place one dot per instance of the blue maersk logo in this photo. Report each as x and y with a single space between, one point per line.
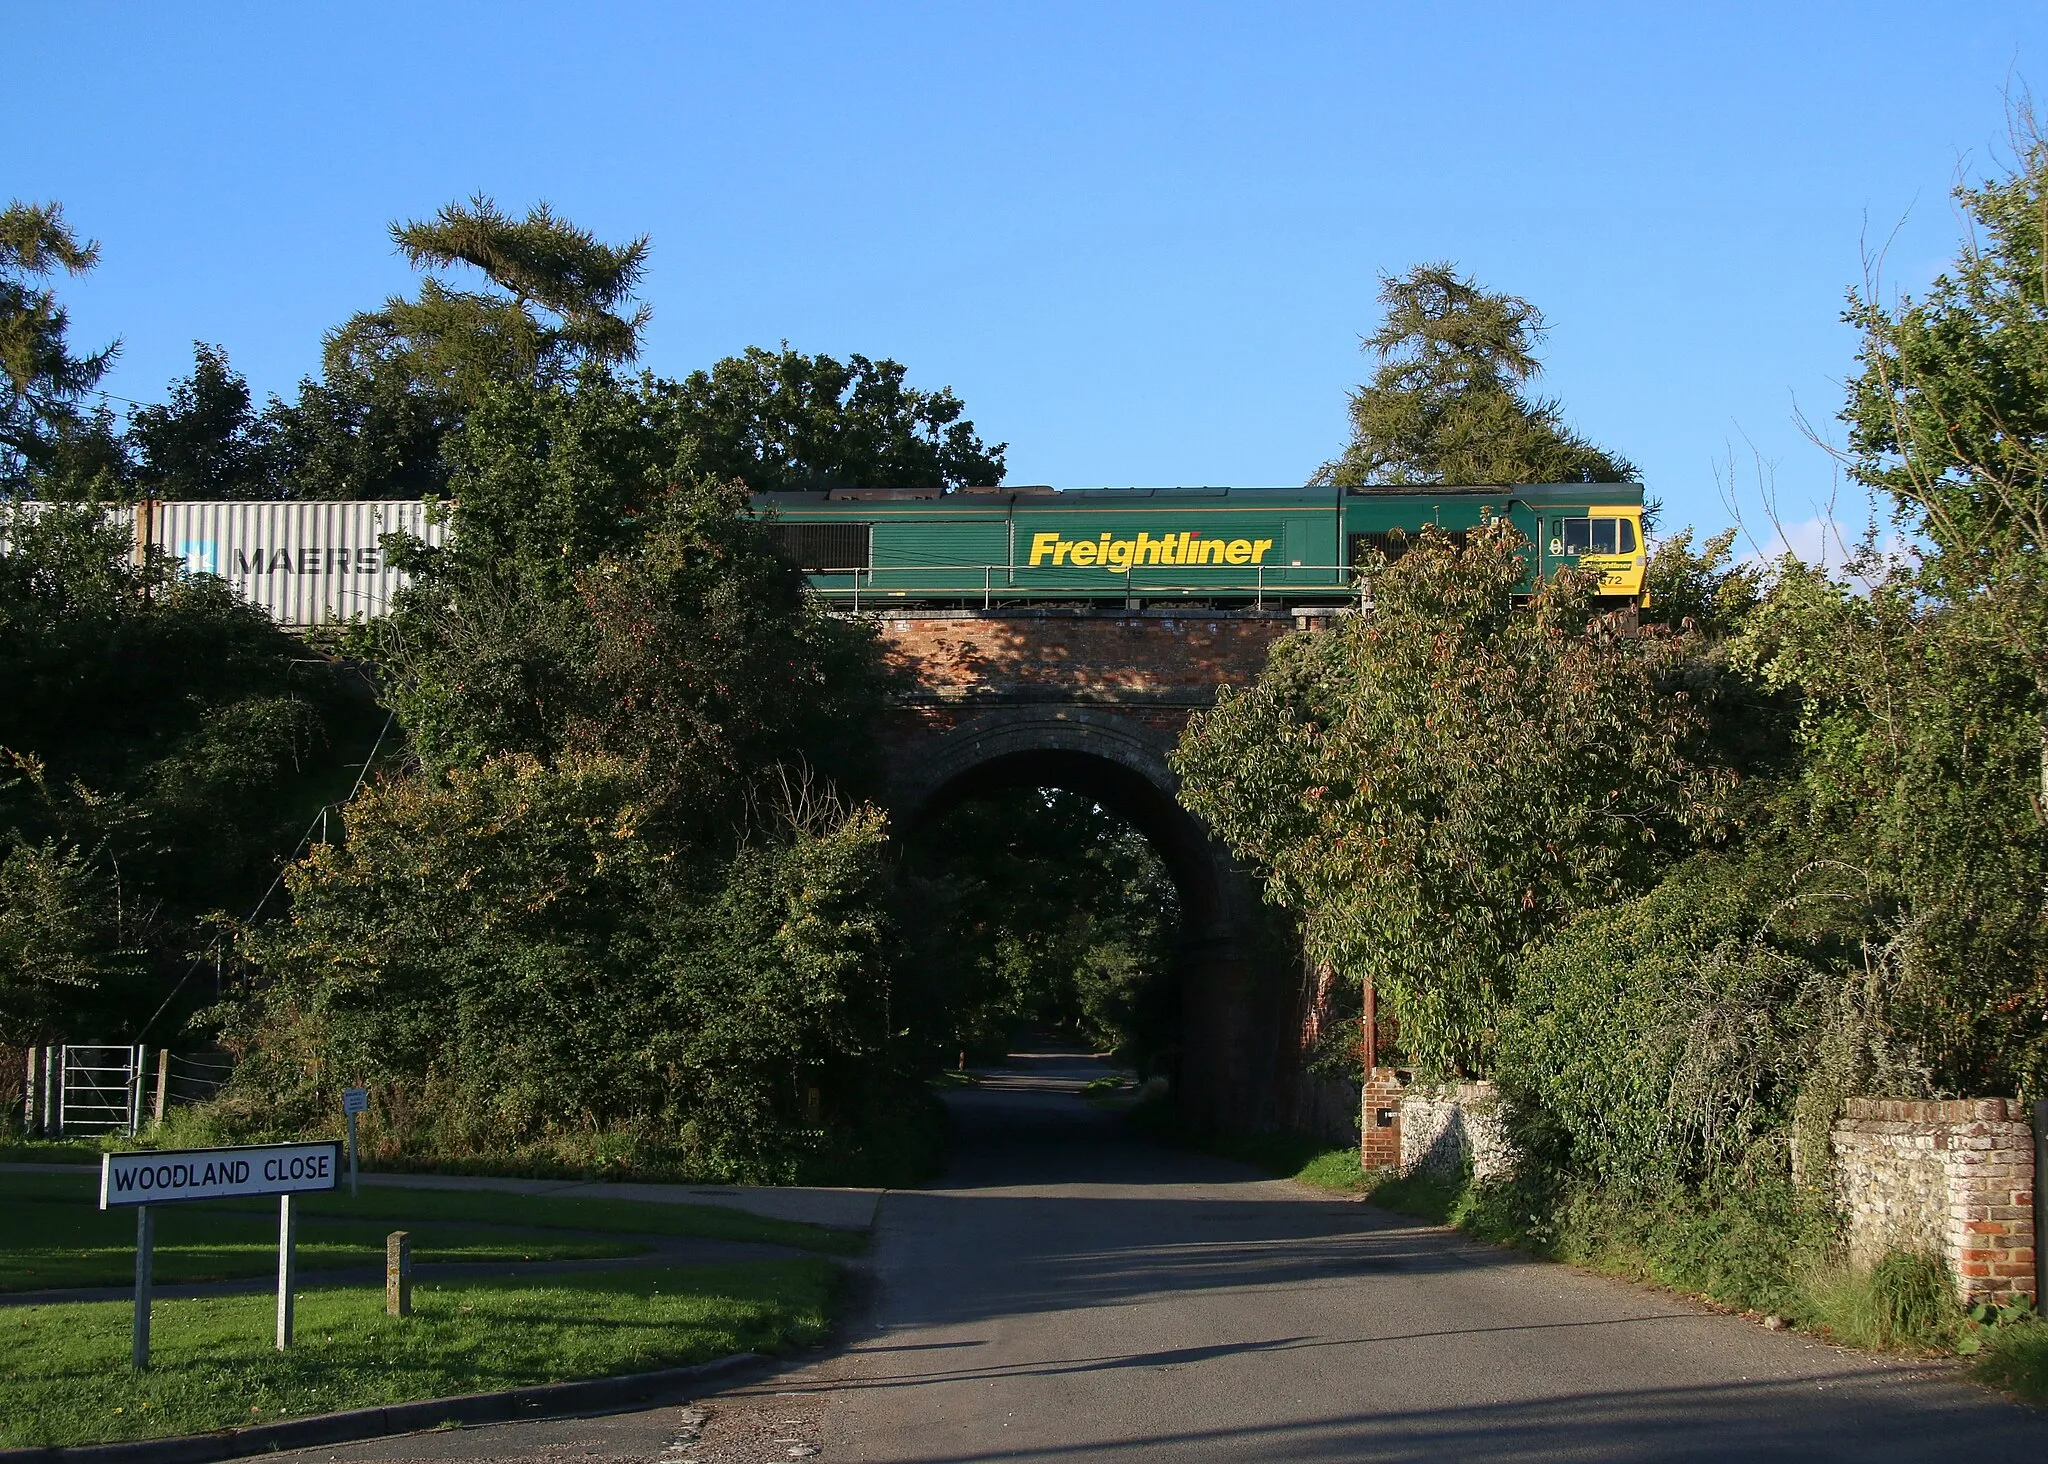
201 556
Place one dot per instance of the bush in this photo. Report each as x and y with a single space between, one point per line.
520 973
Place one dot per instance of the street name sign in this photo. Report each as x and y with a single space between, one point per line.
165 1177
145 1179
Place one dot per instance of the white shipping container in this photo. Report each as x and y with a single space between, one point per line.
307 563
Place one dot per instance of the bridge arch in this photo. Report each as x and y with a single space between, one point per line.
1227 1039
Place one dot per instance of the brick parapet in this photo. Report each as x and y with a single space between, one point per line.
1949 1177
1379 1124
1109 658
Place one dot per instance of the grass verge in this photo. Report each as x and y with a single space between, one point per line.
2015 1361
53 1235
65 1379
1760 1248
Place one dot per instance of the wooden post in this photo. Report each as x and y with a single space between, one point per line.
286 1269
53 1091
145 1246
1370 1047
163 1080
398 1274
2040 1239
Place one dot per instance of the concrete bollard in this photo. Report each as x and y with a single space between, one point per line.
398 1274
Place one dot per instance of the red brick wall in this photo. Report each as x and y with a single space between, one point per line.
1115 658
1379 1145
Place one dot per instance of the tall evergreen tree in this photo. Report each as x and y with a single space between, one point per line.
1449 402
41 382
554 300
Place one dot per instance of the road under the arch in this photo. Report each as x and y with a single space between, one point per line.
1071 1291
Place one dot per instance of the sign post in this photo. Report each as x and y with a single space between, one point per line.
287 1268
145 1257
145 1179
353 1101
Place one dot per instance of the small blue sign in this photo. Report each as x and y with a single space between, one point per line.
201 556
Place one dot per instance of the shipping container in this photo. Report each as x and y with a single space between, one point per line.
307 563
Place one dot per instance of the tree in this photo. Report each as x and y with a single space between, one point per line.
1949 415
1434 785
596 595
1918 733
206 441
44 382
517 952
162 746
365 427
555 304
396 383
1447 403
1039 906
781 420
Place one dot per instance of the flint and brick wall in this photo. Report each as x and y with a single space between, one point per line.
1951 1178
1445 1127
1425 1128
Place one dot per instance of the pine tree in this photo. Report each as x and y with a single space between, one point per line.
41 382
1448 403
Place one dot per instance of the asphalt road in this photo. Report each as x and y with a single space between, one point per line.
1071 1293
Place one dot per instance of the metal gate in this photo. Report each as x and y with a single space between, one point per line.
98 1091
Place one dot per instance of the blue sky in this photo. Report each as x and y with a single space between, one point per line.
1141 241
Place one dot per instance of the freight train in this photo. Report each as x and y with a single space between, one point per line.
314 563
870 548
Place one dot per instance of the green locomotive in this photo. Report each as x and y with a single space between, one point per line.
869 548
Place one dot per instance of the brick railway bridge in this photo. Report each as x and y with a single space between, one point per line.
1092 700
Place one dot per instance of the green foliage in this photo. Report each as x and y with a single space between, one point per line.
1949 414
552 303
584 603
164 743
206 441
1903 1303
1704 586
1424 1194
783 421
1039 907
2015 1359
365 427
1748 1240
1434 785
513 955
1919 740
62 938
1447 403
41 381
1660 1040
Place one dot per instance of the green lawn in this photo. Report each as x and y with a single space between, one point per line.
53 1235
65 1379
